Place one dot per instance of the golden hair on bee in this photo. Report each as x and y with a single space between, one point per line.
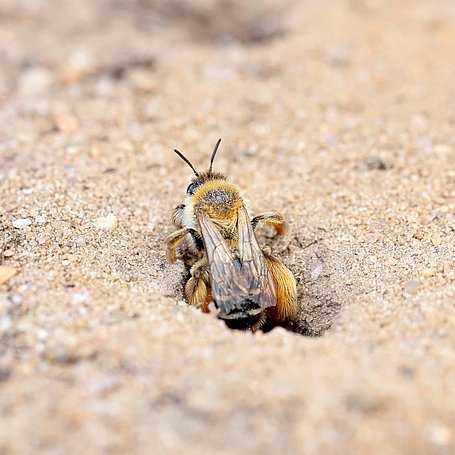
249 286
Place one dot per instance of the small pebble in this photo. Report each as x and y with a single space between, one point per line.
316 272
442 149
65 122
6 324
107 222
80 297
428 273
336 55
440 435
391 262
6 273
412 287
374 163
22 223
446 268
42 334
151 225
80 241
73 258
35 81
436 240
17 299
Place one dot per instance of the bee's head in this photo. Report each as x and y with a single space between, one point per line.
210 191
201 177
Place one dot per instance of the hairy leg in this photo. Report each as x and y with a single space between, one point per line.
197 288
177 216
275 219
287 307
173 241
194 244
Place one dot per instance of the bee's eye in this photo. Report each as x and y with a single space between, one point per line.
192 187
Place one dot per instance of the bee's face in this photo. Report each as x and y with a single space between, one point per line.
192 187
202 179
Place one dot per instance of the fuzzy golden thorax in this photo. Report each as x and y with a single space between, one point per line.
218 198
221 200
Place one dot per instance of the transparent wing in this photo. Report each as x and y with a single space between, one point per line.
254 265
238 282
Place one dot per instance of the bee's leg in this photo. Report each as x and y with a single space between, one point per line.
176 239
286 308
275 219
197 288
173 241
259 324
177 215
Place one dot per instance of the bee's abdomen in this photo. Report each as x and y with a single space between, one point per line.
245 323
245 315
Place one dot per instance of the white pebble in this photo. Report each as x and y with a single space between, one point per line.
5 324
107 222
316 272
16 299
35 81
80 241
22 223
40 219
42 334
440 435
80 297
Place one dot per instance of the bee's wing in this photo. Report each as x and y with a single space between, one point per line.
254 265
228 285
237 281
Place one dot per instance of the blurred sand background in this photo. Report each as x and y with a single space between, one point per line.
339 114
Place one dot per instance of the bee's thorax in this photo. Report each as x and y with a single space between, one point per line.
220 199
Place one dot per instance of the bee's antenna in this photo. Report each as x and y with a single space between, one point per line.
187 161
213 154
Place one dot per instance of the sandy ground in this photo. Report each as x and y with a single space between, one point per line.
339 114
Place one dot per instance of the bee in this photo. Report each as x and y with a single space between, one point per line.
249 286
